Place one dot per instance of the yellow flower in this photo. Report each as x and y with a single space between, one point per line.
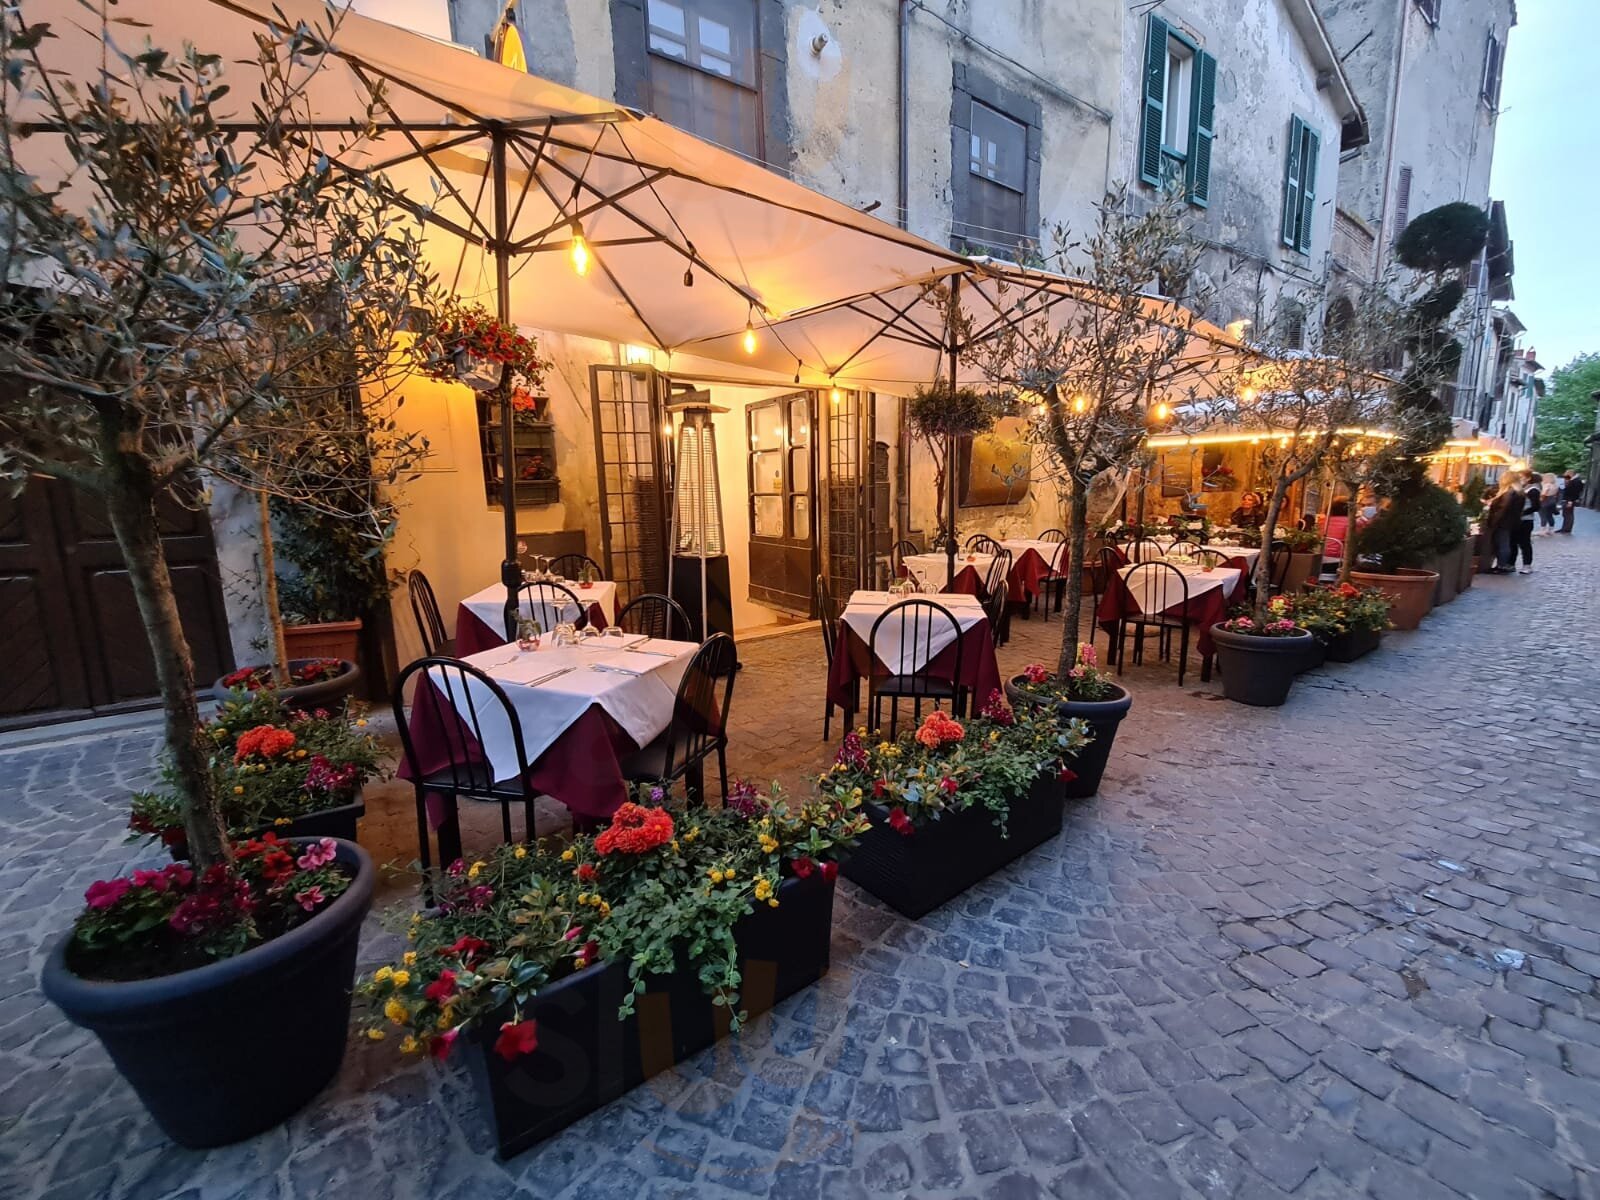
238 790
605 909
693 833
773 903
768 843
299 753
401 978
396 1011
409 958
445 1019
583 897
381 974
474 870
376 1035
362 723
728 874
674 844
763 889
567 855
716 875
409 1045
283 821
520 852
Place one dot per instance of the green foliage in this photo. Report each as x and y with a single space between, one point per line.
1474 493
1566 416
339 571
1331 611
1436 304
937 412
1423 521
1443 239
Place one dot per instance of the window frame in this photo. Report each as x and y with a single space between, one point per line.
1191 162
1299 171
971 87
1179 46
1430 11
1494 66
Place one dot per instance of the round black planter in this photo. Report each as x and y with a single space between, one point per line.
1352 644
329 822
322 694
1258 670
1314 656
195 1045
1103 717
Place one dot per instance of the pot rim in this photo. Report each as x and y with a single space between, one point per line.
1124 699
89 998
1299 635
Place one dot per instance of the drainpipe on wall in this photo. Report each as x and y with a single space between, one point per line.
902 108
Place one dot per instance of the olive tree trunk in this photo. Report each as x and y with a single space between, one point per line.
1347 560
269 593
1264 563
130 498
1077 536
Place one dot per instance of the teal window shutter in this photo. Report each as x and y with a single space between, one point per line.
1155 100
1291 186
1202 129
1308 187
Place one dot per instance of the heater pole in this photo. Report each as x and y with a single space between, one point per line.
510 568
950 445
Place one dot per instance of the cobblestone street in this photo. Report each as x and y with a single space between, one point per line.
1344 948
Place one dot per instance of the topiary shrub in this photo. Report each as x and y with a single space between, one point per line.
1423 522
1443 239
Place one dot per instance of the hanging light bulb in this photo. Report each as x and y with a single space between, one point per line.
1080 402
1283 442
1038 410
1248 395
750 335
835 395
579 250
1162 410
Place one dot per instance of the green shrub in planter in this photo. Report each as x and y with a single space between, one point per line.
1420 523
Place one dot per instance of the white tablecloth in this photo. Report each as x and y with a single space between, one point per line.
932 571
1053 553
489 605
864 609
1250 554
640 701
1155 590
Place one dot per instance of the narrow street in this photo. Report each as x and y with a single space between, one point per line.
1348 947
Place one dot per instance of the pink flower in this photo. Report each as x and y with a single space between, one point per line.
103 893
319 854
1035 673
439 1047
310 898
830 871
948 786
574 933
517 1039
803 866
1087 655
154 880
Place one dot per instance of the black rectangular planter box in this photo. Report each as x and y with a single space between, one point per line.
941 859
588 1057
1347 647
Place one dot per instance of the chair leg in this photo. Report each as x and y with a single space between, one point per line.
722 768
530 821
505 821
694 781
424 852
1119 646
827 717
1183 654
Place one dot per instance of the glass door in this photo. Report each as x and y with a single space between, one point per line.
782 477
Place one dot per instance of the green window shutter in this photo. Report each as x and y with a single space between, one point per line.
1155 100
1202 129
1291 186
1308 187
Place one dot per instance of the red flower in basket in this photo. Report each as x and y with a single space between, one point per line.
830 871
803 866
442 988
899 822
466 947
440 1046
635 829
266 740
516 1039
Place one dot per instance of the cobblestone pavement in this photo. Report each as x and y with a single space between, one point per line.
1348 947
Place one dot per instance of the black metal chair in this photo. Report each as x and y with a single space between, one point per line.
1153 585
570 566
1278 561
699 726
547 603
1207 558
1144 550
657 616
425 608
828 619
467 699
1111 561
997 595
1184 547
982 543
1056 580
916 621
897 556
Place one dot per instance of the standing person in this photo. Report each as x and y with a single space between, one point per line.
1571 497
1549 501
1532 498
1500 521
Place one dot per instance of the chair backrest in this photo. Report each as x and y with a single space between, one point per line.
1278 565
1332 548
700 712
999 572
425 608
827 616
1052 535
1157 586
1206 558
570 566
916 621
1183 546
1057 538
997 590
982 543
657 616
547 603
1112 560
1144 550
452 722
897 556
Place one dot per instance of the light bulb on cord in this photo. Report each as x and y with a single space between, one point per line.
1079 403
579 250
750 334
1248 395
835 395
1163 410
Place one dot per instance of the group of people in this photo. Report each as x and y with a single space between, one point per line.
1523 501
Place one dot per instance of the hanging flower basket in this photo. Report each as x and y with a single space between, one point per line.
477 372
474 347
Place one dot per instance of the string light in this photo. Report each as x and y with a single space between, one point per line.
750 337
579 250
1162 411
1248 395
1080 402
835 395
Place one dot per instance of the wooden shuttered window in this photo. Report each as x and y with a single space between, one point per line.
1493 61
1173 61
1155 100
1402 202
1202 129
1300 185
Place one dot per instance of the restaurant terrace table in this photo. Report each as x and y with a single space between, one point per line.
1243 557
853 660
1032 562
1210 593
612 695
481 618
932 572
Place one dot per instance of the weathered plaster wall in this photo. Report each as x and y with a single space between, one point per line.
1265 76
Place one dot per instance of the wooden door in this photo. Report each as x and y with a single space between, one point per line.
70 631
782 482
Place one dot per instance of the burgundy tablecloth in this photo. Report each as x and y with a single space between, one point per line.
1202 611
1027 576
582 768
853 660
474 636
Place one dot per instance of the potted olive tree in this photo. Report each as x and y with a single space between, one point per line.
187 329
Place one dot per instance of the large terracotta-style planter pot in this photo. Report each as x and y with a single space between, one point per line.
329 639
1469 562
1409 589
1448 567
325 693
1302 567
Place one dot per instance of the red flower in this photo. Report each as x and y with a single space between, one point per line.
880 788
949 786
439 1047
1066 775
466 946
635 829
587 954
803 866
899 822
517 1039
442 988
939 727
586 872
266 740
830 871
103 893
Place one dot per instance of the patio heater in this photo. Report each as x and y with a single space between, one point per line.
697 572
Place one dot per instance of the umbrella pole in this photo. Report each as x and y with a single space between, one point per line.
510 568
951 446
